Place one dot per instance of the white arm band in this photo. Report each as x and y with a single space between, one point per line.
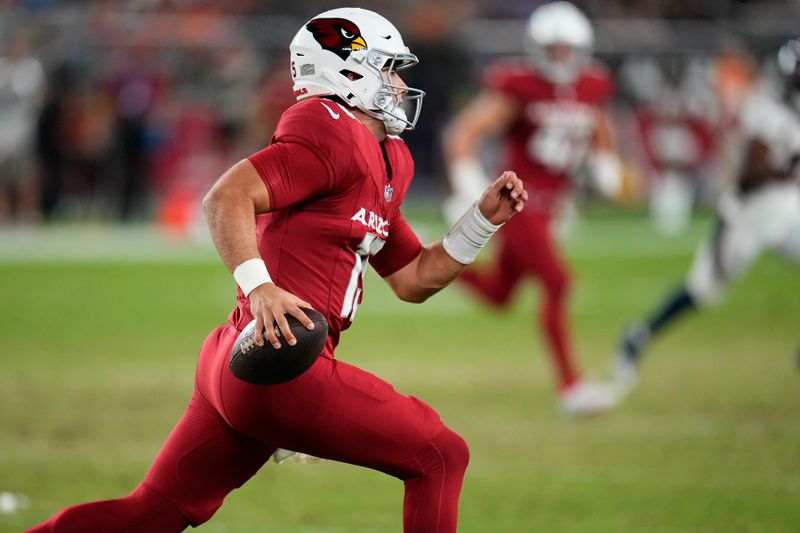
251 274
467 236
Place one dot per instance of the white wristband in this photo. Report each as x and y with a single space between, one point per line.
606 170
467 236
251 274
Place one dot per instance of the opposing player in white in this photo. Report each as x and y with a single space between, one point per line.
761 212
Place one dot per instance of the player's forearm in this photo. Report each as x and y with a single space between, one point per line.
435 271
467 176
439 263
487 115
231 217
462 143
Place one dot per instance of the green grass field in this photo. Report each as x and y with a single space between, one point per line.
97 358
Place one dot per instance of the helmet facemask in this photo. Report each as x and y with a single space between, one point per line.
390 103
560 62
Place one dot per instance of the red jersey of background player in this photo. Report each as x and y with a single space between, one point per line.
553 132
357 186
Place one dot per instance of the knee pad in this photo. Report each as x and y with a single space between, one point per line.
454 449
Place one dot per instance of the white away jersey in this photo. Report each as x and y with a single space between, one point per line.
774 123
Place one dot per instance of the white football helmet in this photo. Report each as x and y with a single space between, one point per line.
352 53
559 23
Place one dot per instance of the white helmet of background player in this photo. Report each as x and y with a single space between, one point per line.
350 53
789 67
559 41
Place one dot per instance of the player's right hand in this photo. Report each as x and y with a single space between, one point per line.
503 199
268 304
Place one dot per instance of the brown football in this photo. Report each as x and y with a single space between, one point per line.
266 365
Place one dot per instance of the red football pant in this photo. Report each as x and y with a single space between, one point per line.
230 429
527 248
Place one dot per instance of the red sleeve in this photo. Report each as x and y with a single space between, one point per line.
311 154
292 173
400 249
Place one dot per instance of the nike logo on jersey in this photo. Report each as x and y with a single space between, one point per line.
334 115
373 222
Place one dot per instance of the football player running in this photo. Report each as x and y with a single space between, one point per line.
297 224
549 112
760 212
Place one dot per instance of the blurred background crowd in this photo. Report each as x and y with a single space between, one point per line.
129 110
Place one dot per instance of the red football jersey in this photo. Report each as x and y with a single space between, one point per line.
335 195
553 133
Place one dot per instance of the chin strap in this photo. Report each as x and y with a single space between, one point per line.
395 122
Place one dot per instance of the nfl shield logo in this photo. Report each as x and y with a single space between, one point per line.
387 193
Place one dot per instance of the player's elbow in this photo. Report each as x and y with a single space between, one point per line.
214 197
215 200
419 292
416 298
209 201
210 204
414 294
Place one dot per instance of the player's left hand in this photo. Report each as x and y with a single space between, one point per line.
269 305
503 198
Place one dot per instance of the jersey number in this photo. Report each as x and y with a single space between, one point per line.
557 147
369 245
